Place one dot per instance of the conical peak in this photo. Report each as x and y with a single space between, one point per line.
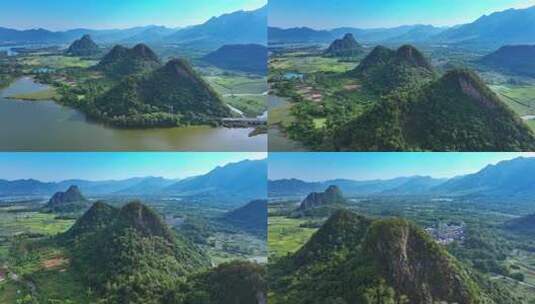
349 36
138 216
411 54
144 51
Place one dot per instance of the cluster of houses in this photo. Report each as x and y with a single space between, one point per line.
446 233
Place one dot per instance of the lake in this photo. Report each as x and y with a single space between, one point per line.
48 126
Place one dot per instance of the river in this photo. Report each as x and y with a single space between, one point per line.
48 126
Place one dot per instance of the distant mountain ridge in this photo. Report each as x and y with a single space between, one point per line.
241 27
252 217
250 58
237 183
512 26
245 180
238 27
519 59
507 179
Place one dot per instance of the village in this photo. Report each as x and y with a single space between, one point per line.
446 233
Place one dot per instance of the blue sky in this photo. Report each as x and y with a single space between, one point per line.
103 166
321 14
367 166
104 14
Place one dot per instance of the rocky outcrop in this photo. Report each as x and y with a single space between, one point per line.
84 46
345 47
333 195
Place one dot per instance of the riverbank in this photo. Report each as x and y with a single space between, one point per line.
47 125
48 94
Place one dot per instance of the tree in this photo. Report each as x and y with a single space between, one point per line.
380 294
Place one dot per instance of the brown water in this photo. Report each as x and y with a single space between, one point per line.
47 126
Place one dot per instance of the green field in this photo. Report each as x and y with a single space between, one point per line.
13 223
234 84
310 64
251 106
520 98
57 61
286 236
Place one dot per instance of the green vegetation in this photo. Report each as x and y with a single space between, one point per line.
18 221
352 257
251 106
347 47
456 113
54 62
231 283
392 101
84 46
287 235
122 61
163 265
172 95
128 87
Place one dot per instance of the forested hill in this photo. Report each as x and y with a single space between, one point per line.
171 95
84 46
71 200
99 239
457 112
121 61
385 70
160 266
385 261
345 47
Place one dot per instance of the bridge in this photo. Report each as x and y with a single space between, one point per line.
243 122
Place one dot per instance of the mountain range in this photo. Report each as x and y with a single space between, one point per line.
518 59
507 179
252 217
249 58
239 27
236 183
512 26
